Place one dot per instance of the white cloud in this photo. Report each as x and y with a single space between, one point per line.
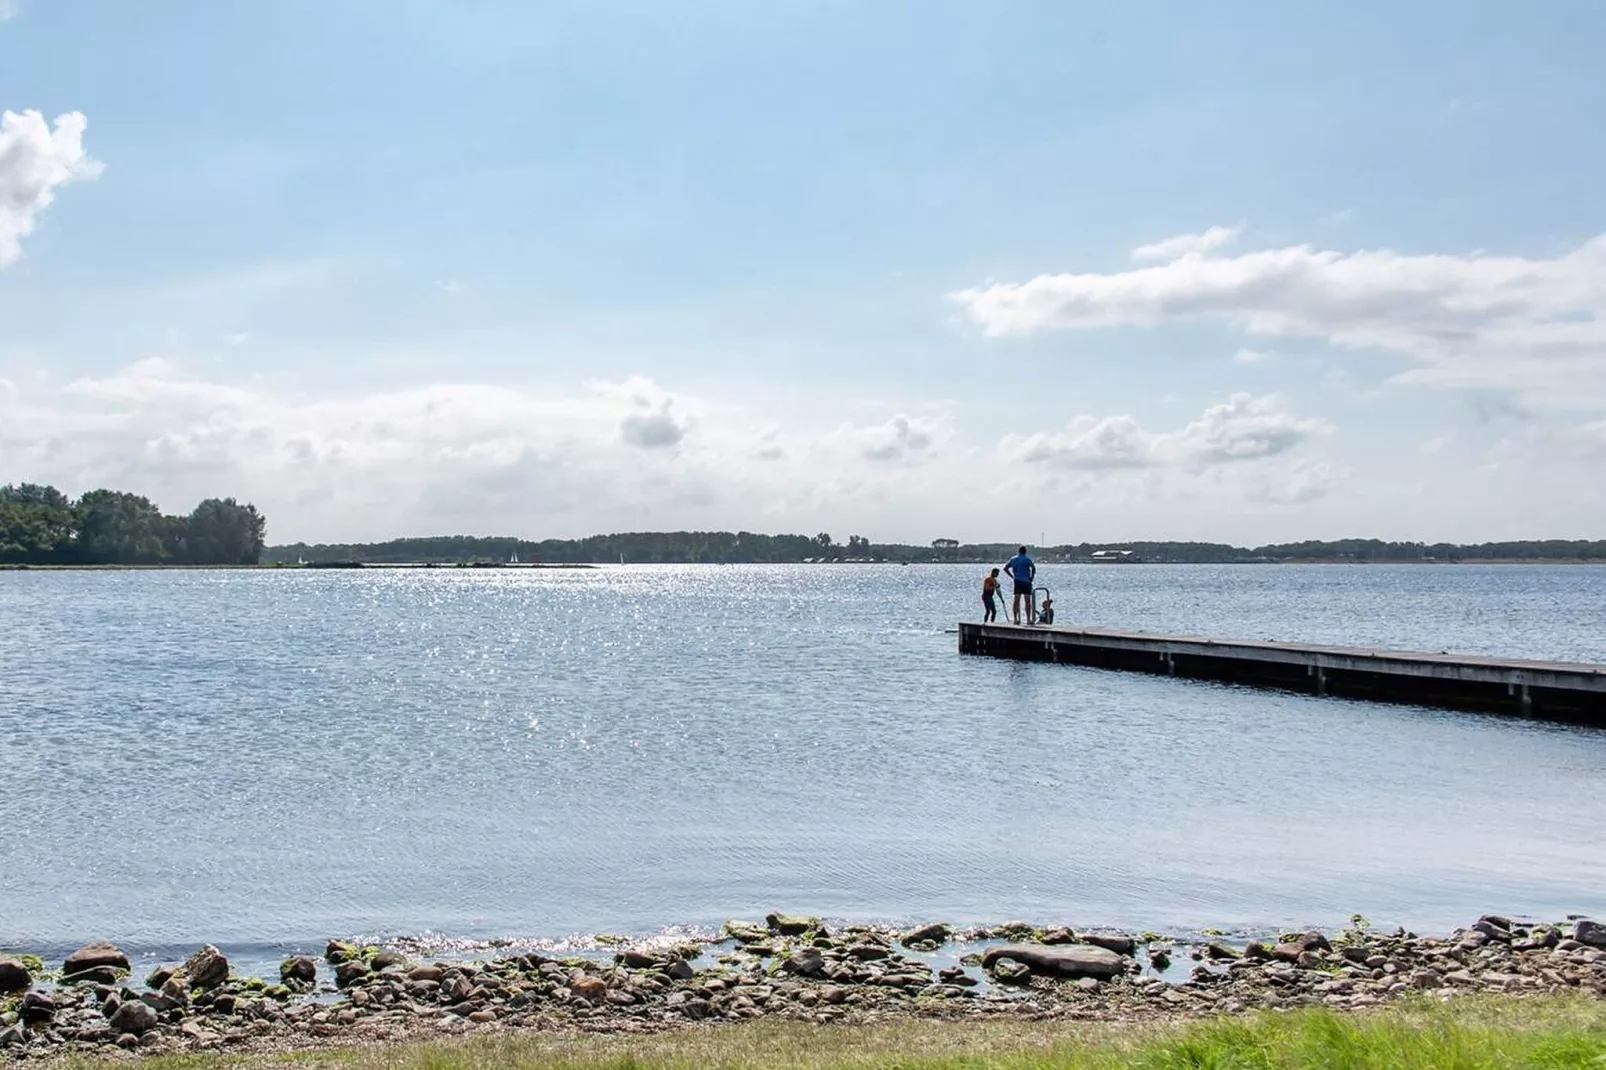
898 439
10 9
1183 245
656 428
34 160
1473 320
1251 356
1243 428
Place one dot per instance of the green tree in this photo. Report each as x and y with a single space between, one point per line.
36 524
117 528
221 531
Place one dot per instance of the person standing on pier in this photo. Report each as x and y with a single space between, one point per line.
989 597
1023 572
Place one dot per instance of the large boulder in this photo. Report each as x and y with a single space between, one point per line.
302 968
1121 945
14 976
207 968
935 933
94 955
790 924
1589 932
134 1017
1060 960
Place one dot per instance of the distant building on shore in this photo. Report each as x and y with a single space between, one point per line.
945 544
1114 557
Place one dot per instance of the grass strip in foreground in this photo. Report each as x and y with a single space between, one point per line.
1473 1033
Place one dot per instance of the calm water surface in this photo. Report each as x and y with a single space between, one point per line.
265 759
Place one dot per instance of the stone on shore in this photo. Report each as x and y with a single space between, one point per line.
134 1016
207 968
934 933
339 951
302 968
94 955
593 989
350 970
1060 960
1589 932
1121 945
14 976
806 962
790 924
745 932
37 1008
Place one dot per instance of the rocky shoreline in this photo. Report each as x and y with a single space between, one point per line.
786 966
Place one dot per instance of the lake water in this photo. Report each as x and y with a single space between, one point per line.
265 759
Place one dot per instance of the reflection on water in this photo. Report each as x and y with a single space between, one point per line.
267 757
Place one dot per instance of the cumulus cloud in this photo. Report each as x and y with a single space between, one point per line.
1473 320
654 429
34 160
897 439
1250 356
1242 428
1187 244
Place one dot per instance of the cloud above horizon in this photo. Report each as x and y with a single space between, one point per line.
34 161
611 454
1476 320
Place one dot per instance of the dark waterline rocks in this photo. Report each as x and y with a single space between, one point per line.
299 968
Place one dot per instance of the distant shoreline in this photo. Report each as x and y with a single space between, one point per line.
383 566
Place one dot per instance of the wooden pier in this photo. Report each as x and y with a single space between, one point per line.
1552 690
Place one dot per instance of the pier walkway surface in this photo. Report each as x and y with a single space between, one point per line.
1553 690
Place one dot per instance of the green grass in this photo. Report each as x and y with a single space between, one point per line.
1465 1034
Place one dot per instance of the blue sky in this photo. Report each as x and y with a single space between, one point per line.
410 267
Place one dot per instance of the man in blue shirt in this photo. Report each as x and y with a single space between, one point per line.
1022 571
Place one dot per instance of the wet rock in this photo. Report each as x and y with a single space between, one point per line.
791 924
935 933
1013 930
95 955
456 989
806 962
1059 935
745 932
636 959
955 975
1220 952
37 1008
1257 951
160 975
349 970
679 970
14 976
426 972
339 951
1160 958
302 968
1009 971
174 992
95 975
386 959
1121 945
207 968
1590 932
868 951
134 1016
593 989
1075 960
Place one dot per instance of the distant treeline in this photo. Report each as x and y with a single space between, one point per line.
710 547
40 525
